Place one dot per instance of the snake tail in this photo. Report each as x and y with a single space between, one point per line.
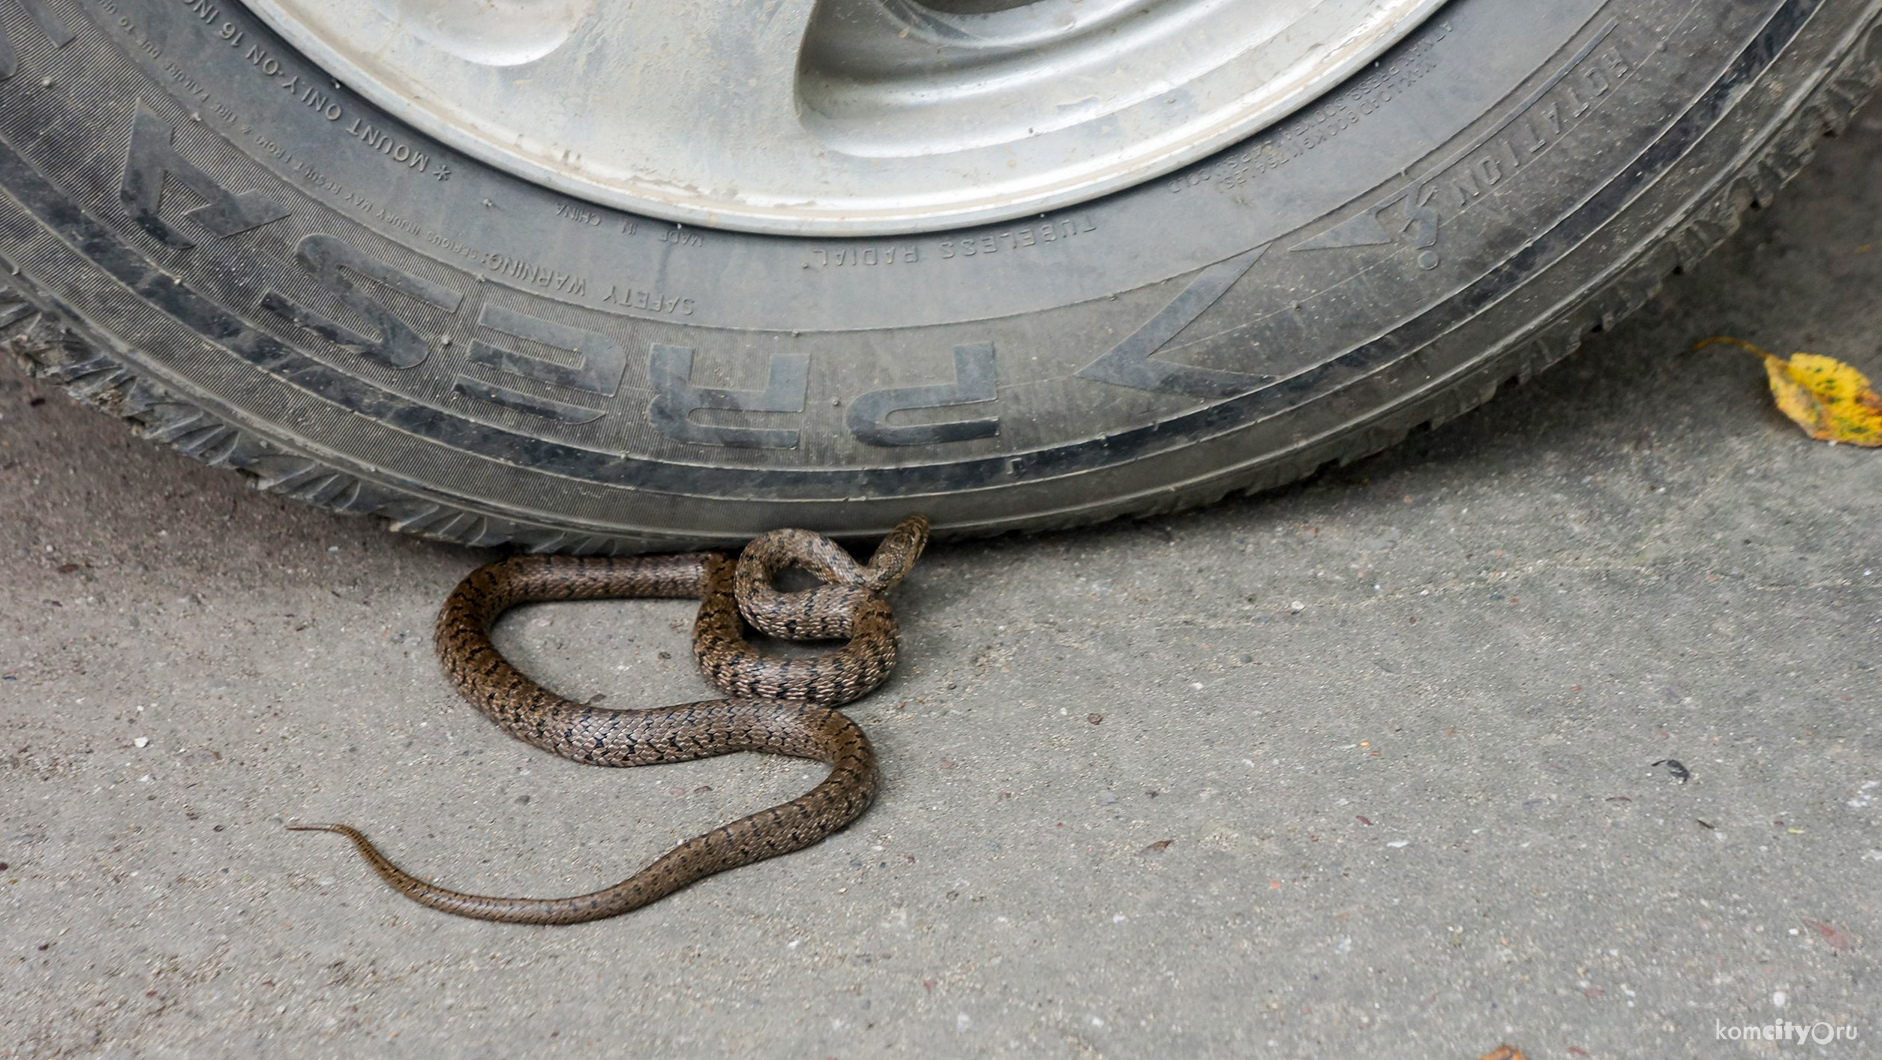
810 732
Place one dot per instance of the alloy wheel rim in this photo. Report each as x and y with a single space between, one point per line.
842 117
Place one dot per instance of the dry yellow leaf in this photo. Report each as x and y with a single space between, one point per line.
1830 400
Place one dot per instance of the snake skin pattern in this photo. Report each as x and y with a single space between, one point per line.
779 705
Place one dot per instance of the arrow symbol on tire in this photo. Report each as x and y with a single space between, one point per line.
1129 364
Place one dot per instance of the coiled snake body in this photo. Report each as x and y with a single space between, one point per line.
779 705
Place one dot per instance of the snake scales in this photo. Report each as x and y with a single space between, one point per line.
778 706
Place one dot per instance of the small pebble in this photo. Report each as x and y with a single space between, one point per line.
1297 607
141 741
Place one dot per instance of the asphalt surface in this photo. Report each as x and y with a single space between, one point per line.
1359 768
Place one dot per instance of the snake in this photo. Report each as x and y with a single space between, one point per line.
775 705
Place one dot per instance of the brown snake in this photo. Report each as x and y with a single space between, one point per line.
780 705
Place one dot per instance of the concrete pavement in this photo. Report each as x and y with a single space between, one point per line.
1359 768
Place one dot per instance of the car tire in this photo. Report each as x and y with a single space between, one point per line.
212 238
